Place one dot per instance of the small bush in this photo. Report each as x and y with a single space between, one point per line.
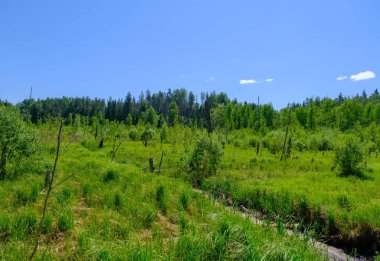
118 202
64 196
24 225
343 202
47 224
351 157
184 200
4 224
205 159
21 196
149 218
147 135
111 175
33 195
133 135
161 198
65 221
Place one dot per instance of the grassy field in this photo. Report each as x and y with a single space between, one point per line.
116 210
304 189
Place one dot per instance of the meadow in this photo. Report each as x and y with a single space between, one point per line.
121 182
117 210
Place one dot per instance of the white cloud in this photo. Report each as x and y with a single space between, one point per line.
341 78
248 81
210 79
269 80
363 76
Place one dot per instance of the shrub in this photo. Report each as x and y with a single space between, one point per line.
111 175
273 141
16 141
24 224
147 135
161 198
133 135
184 200
4 224
47 224
350 157
65 221
205 159
118 201
64 196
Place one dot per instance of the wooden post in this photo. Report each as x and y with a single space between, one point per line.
159 166
151 165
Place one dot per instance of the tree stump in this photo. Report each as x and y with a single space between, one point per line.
151 165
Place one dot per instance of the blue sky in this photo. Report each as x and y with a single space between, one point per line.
282 51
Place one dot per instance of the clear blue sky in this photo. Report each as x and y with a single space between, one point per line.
107 48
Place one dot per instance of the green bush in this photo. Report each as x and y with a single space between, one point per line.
205 159
47 224
118 201
111 175
185 200
65 221
133 134
147 135
17 143
162 198
351 157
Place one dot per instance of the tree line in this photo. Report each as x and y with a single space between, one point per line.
212 111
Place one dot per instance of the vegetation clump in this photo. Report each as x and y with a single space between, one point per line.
16 141
111 175
205 159
351 158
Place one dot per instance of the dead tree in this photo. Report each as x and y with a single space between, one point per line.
115 147
159 166
286 134
289 147
49 181
259 126
151 165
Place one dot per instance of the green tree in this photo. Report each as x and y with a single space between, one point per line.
16 141
351 157
151 117
164 133
205 159
128 121
173 114
147 135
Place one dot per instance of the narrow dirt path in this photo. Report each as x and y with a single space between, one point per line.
333 253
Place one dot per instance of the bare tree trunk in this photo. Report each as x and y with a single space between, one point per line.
101 143
286 134
3 163
50 187
151 165
259 126
159 167
289 148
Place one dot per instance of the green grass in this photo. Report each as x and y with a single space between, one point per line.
112 210
306 188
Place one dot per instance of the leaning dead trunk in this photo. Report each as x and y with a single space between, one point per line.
3 163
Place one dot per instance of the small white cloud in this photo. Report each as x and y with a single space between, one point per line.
269 80
363 76
210 79
341 78
248 81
